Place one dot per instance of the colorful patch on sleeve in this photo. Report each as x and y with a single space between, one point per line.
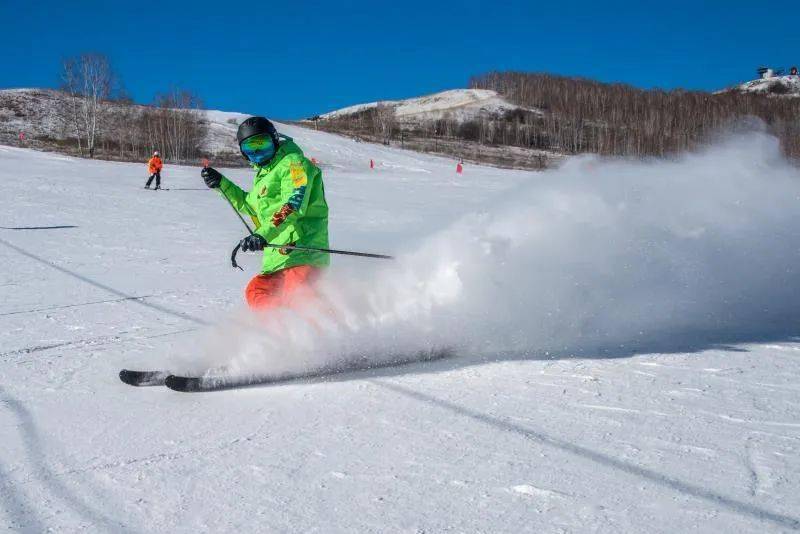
298 174
296 199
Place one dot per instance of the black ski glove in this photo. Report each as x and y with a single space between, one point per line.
211 177
253 242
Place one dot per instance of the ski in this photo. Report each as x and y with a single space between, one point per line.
207 383
143 378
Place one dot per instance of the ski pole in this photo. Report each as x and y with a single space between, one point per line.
311 249
249 230
238 245
333 251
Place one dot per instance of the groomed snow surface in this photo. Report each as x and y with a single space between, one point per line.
624 358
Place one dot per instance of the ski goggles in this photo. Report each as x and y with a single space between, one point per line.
258 148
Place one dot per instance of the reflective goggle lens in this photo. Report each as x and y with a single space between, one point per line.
257 142
259 148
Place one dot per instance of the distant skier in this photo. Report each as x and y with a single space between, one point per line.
154 166
287 204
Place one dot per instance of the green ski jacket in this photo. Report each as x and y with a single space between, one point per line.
291 184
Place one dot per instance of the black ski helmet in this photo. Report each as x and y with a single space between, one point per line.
256 126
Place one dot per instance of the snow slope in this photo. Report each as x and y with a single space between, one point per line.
222 126
623 332
458 104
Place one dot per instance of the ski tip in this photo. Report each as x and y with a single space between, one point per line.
142 378
132 378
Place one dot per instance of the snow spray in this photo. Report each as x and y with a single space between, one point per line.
596 256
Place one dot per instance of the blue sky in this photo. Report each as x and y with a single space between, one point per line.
294 59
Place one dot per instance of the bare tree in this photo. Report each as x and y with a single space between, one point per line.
122 132
88 81
385 121
176 125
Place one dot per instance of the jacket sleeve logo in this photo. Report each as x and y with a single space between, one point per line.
298 174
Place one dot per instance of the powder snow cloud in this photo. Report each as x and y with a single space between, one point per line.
595 255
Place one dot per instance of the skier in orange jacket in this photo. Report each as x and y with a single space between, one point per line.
154 166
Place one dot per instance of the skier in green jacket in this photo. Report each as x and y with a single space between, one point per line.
287 205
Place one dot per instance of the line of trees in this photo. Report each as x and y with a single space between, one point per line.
575 115
375 123
103 120
379 123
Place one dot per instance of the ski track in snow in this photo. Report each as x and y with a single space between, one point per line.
702 439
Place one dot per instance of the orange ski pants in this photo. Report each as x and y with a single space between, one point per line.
286 287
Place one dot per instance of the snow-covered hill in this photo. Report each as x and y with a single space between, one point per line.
777 85
624 358
32 111
35 112
221 136
456 104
